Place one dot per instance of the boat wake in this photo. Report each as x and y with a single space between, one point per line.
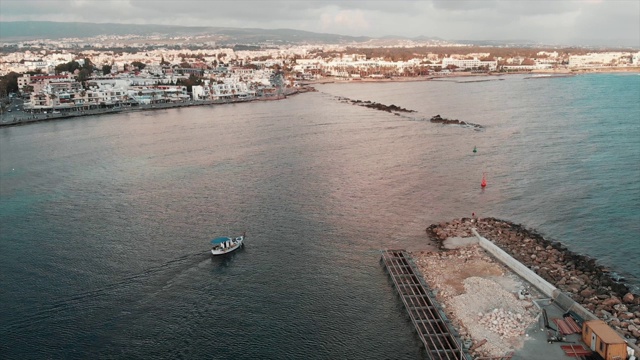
160 276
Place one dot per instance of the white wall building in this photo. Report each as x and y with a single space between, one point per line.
229 88
596 59
526 67
469 64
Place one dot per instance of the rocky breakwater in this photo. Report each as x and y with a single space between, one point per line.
382 107
589 284
440 120
394 109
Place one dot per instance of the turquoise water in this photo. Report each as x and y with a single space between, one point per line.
106 221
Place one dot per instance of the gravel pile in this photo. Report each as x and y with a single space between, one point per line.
480 297
490 312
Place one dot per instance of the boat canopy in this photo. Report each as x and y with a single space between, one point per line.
220 240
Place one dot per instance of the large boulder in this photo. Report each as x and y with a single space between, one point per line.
611 301
628 298
587 293
625 316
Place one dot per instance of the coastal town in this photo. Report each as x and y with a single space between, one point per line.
54 79
47 78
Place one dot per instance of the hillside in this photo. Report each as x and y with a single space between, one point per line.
23 30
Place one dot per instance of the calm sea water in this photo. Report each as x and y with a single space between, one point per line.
105 221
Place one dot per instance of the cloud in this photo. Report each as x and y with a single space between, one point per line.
464 5
350 20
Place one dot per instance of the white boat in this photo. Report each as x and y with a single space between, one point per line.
224 244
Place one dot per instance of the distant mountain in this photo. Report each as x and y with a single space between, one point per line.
11 31
23 30
601 44
55 30
420 38
499 43
607 43
428 38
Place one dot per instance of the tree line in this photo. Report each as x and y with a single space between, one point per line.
407 53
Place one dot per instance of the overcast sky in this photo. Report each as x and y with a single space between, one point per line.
550 22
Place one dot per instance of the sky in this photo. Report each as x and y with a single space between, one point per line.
601 22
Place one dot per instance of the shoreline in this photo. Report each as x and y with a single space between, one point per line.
23 118
595 287
462 74
28 118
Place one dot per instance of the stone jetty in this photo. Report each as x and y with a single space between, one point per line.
440 120
377 106
593 286
382 107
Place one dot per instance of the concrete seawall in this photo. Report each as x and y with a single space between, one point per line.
22 118
562 299
27 118
516 266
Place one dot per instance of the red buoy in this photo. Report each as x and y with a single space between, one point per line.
484 180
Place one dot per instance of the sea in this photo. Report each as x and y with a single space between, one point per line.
106 221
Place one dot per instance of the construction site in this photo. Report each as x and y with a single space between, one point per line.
472 300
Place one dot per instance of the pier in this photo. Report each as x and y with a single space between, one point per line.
431 324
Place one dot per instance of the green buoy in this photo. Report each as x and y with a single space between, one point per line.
475 149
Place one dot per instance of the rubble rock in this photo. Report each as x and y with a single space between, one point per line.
625 316
588 292
628 298
611 301
477 306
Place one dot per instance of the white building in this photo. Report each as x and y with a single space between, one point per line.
227 88
526 67
469 64
597 59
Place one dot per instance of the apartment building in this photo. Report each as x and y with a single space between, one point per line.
469 63
599 59
38 82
